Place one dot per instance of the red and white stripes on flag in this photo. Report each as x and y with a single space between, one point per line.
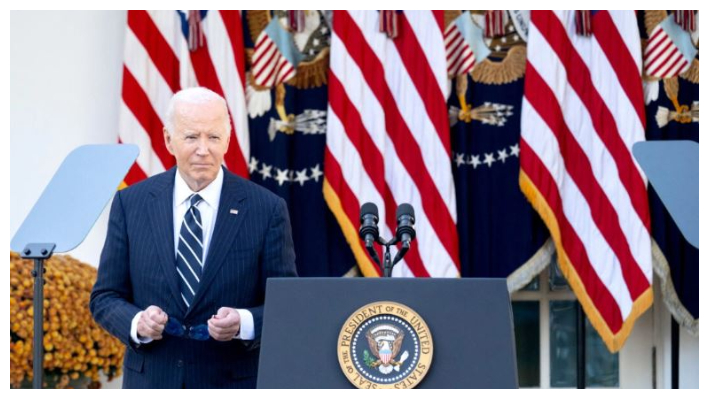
195 37
583 22
296 20
686 19
459 54
669 50
275 56
157 63
389 22
581 114
495 21
388 139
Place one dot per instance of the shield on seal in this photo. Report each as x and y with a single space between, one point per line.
385 356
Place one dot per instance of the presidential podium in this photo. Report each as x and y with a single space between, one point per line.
309 324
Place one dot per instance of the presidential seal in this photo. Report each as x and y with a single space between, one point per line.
385 345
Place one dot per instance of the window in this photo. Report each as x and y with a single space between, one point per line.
526 318
545 335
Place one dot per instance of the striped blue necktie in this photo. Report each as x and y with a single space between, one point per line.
189 251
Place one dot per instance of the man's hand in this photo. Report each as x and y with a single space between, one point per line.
225 324
152 323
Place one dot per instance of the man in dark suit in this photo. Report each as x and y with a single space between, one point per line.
182 276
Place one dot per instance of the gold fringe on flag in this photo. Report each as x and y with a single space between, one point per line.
524 274
351 233
614 342
662 270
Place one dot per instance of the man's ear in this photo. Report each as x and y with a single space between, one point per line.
168 140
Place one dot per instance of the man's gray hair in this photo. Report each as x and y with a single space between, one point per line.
194 95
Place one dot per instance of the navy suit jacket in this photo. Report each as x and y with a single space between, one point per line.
137 269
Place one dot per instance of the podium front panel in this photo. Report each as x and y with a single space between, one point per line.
470 321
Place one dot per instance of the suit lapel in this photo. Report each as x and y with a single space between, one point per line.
162 227
227 226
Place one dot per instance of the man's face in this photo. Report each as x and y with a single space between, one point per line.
199 142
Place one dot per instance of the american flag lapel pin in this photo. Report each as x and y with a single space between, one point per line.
234 211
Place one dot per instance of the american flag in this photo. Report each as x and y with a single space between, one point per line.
669 50
158 62
581 114
275 56
459 53
686 19
388 140
495 21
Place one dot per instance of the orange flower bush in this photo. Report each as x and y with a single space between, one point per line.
74 345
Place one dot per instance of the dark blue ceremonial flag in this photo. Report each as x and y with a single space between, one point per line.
498 229
682 258
665 121
287 158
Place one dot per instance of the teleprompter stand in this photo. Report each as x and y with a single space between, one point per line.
63 216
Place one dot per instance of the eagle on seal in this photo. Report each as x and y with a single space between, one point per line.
385 343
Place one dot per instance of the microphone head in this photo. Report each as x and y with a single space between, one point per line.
369 217
405 223
405 209
368 208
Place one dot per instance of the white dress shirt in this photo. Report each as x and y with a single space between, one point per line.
208 208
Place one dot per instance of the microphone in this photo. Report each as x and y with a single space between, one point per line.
369 217
369 232
405 232
405 220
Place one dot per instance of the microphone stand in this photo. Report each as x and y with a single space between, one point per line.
388 264
369 242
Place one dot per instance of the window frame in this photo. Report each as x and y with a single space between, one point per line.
543 296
